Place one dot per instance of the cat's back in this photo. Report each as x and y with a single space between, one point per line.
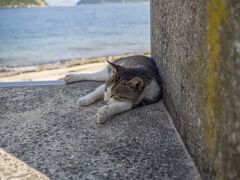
141 62
136 61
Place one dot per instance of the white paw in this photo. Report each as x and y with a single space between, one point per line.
102 114
69 78
83 101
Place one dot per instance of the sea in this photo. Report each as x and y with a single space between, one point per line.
32 36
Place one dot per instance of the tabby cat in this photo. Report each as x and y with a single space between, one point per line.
130 82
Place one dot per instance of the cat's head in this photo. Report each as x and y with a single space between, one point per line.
124 84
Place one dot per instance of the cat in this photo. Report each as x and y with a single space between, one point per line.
130 82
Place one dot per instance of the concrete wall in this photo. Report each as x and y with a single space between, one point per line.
196 44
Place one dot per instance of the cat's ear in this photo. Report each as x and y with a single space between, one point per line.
113 66
136 83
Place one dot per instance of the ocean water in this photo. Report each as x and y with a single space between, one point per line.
43 35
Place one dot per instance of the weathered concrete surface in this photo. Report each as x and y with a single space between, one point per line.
196 44
13 168
43 127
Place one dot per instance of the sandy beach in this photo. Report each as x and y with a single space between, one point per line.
57 71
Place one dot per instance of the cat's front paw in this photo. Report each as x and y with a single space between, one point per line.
83 101
69 78
102 114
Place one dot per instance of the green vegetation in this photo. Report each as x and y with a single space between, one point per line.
107 1
22 3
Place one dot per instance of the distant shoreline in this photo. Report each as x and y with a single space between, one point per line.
84 2
23 4
52 6
56 71
21 7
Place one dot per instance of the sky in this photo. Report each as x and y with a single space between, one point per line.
62 2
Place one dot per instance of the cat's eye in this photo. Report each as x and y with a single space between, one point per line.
131 88
115 97
120 97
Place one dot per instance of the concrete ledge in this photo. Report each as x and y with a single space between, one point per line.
43 127
31 83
